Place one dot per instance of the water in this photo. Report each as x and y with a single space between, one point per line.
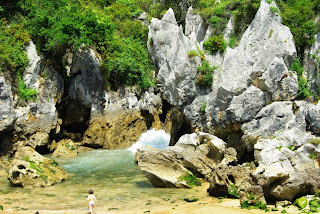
118 184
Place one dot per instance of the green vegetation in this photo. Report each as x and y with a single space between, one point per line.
233 191
258 205
219 13
109 27
190 199
312 155
314 204
205 74
203 107
214 44
301 202
315 141
190 179
1 207
304 90
300 16
24 92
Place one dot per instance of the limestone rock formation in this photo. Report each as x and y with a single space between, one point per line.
199 153
29 169
7 114
115 130
65 148
262 59
288 164
169 47
86 85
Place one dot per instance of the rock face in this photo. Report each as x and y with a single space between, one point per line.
29 169
169 47
30 123
7 113
198 153
251 75
86 85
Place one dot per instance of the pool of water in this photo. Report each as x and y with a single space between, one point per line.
117 182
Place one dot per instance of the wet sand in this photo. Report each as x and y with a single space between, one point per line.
28 201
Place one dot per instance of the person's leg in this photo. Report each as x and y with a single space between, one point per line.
91 208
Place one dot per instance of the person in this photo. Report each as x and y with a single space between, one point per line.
92 200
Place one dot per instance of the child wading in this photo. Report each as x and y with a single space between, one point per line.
92 200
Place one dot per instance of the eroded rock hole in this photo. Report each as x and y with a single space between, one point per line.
165 109
148 117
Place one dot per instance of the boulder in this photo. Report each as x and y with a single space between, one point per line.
288 164
116 129
66 148
29 169
38 139
274 117
198 154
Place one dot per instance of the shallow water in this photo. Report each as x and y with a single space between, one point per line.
117 183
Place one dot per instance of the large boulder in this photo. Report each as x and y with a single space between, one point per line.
277 116
288 164
66 148
29 169
198 153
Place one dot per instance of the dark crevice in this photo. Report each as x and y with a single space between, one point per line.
246 157
165 109
148 118
43 150
6 144
180 126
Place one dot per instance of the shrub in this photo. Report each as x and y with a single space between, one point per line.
203 107
303 87
215 44
233 191
24 92
205 74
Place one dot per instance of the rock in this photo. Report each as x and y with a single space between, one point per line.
274 117
198 153
32 72
7 114
236 181
195 24
265 47
29 169
86 85
246 105
169 47
3 173
287 164
38 139
66 148
180 126
277 80
313 117
311 64
115 130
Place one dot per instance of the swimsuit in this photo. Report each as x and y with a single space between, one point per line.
91 203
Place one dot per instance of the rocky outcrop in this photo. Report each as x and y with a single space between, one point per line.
288 164
115 130
169 47
30 122
198 153
65 148
251 75
7 114
312 64
29 169
86 86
